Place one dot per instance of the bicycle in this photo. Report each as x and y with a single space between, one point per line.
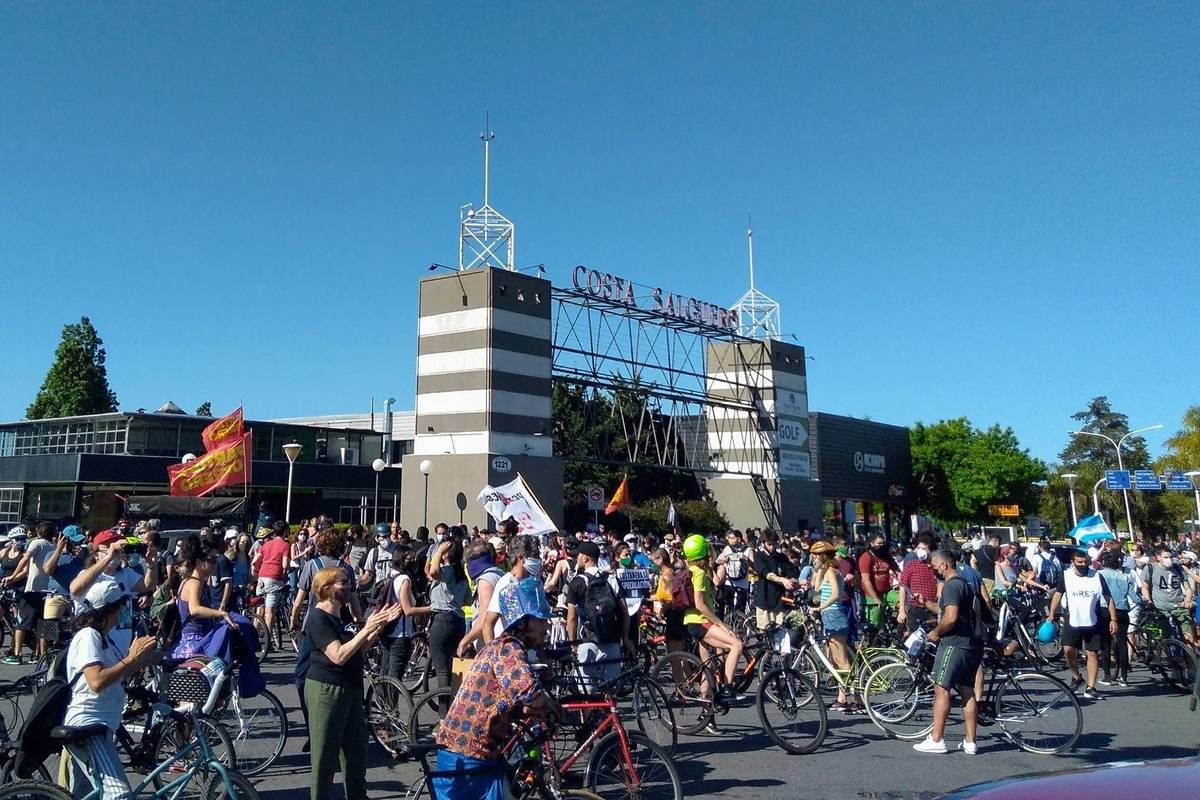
279 638
220 781
1023 613
389 713
812 660
1033 709
1160 646
527 778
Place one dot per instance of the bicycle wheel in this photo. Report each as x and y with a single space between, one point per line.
872 659
689 686
233 786
258 727
389 711
427 713
899 700
1039 713
1179 663
652 710
12 717
33 790
649 774
416 672
175 734
787 711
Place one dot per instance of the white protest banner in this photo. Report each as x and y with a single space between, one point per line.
514 501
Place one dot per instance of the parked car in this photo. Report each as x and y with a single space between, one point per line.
1121 780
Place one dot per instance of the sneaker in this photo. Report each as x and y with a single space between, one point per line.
930 746
12 660
837 706
712 728
855 710
1090 693
1124 682
1106 681
1076 683
970 748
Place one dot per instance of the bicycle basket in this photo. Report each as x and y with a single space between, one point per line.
187 684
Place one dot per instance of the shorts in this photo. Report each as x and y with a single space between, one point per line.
56 607
875 613
835 621
989 586
270 590
1184 617
955 666
1088 638
675 630
763 617
29 610
698 630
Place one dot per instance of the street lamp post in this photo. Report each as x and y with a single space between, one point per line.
1096 496
292 451
426 468
379 465
1194 475
1120 463
1070 478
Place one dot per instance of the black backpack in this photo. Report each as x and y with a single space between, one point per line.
982 617
47 712
600 610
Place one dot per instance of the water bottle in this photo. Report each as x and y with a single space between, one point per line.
915 643
216 674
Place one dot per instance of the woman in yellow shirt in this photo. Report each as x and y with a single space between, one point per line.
701 619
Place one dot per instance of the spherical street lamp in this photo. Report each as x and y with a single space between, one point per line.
379 465
426 467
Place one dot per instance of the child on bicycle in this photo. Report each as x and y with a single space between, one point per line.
95 669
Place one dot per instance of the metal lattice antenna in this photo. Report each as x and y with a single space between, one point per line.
758 315
486 238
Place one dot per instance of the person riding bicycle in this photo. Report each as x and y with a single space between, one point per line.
1165 588
197 614
108 564
1085 591
597 615
877 570
498 689
830 588
270 564
701 620
96 666
737 558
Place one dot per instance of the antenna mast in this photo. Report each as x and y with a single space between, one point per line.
758 315
486 238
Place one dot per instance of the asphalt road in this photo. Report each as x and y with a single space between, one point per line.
1145 721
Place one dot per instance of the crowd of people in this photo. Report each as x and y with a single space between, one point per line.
495 596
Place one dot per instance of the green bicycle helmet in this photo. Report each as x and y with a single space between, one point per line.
695 547
381 529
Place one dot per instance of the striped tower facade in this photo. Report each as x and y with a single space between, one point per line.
483 395
771 375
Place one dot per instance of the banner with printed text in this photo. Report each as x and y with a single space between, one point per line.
224 430
226 465
514 501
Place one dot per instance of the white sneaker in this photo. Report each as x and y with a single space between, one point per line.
970 748
930 746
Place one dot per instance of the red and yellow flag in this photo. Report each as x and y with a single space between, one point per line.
224 430
226 465
620 496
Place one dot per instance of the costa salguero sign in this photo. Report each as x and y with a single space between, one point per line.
606 286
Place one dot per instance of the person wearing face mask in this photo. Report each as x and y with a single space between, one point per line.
1084 591
301 551
918 586
1046 566
108 565
960 636
596 615
483 572
398 636
525 562
333 689
1165 587
448 593
634 581
877 569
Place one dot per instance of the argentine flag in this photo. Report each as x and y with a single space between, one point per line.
1091 527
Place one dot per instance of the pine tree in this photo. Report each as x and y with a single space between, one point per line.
77 382
204 409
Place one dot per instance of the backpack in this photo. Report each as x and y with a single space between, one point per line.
381 595
47 712
735 565
982 616
600 609
682 595
1050 571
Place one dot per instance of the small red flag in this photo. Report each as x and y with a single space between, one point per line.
620 496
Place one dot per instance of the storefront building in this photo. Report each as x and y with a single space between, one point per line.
865 470
81 468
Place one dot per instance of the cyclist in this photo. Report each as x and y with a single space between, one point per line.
197 617
96 665
398 637
775 577
918 584
596 614
701 620
831 588
32 570
1085 591
496 691
1165 588
877 569
108 565
271 563
735 589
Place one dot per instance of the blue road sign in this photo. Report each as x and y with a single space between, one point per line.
1178 482
1145 480
1117 479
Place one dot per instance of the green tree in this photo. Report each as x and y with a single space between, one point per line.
1182 453
696 516
1099 417
959 470
204 409
77 382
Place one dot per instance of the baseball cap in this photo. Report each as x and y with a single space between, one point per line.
631 538
589 549
107 537
1189 554
103 594
74 533
496 542
231 533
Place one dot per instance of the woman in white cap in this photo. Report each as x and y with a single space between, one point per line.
96 666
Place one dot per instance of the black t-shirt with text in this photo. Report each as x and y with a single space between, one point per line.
323 628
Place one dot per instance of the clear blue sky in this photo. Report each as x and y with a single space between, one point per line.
980 210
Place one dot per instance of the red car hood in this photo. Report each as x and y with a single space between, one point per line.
1122 780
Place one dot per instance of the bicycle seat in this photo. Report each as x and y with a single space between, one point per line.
421 750
67 734
577 697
